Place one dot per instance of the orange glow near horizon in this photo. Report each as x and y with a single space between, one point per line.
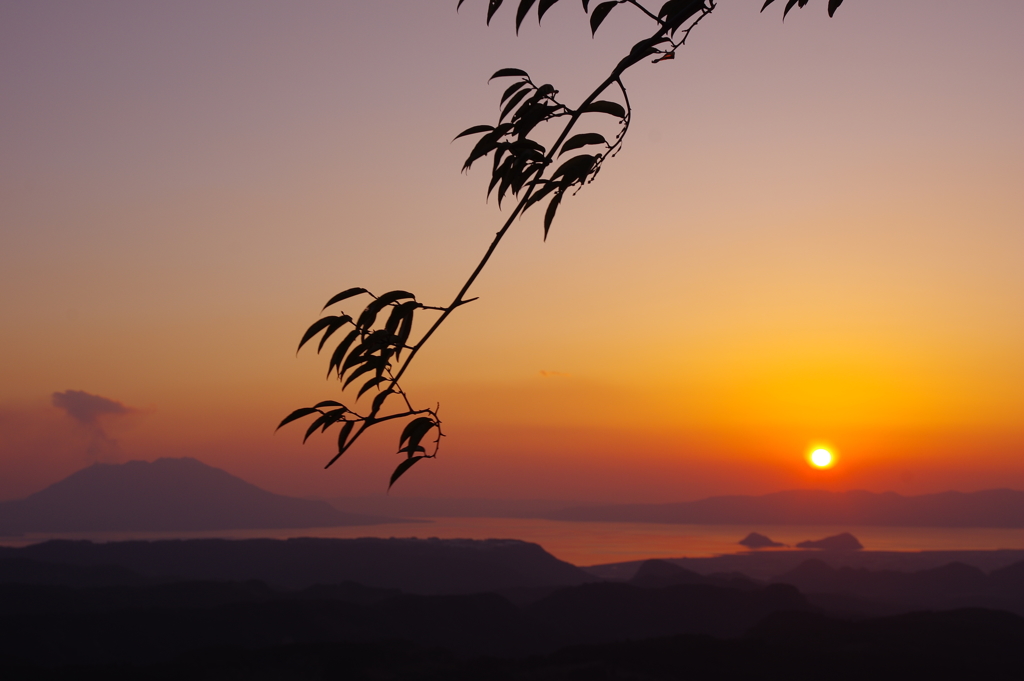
713 309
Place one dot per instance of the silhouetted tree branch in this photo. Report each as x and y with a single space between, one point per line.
522 167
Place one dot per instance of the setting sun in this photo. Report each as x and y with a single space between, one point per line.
821 458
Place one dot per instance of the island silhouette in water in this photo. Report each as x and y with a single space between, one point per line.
759 541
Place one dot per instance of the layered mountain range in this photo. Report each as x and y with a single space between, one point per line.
429 608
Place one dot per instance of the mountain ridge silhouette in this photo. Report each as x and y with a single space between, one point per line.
169 494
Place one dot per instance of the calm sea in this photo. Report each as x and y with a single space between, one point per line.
595 543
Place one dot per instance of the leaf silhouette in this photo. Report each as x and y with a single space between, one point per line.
673 7
375 341
405 328
599 14
348 293
416 429
507 73
473 131
390 297
516 98
315 328
491 9
338 323
369 315
575 169
367 366
524 9
357 356
511 90
604 106
402 468
373 382
499 175
378 401
506 182
643 47
577 141
327 403
543 8
391 327
833 5
297 414
323 419
367 318
549 214
675 12
586 5
545 90
332 417
341 351
546 187
486 145
530 114
343 434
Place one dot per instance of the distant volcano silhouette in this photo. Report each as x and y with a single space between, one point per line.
166 495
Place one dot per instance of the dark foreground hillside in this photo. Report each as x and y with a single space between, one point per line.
961 644
59 625
484 610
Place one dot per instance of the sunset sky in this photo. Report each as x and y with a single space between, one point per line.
813 237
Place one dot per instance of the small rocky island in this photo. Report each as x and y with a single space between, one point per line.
759 541
839 542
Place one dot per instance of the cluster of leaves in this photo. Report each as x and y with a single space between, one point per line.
672 14
519 162
368 353
833 5
520 166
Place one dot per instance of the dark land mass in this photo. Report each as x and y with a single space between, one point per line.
839 542
424 566
766 565
156 623
164 496
863 593
990 508
192 609
968 644
594 631
659 573
951 586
